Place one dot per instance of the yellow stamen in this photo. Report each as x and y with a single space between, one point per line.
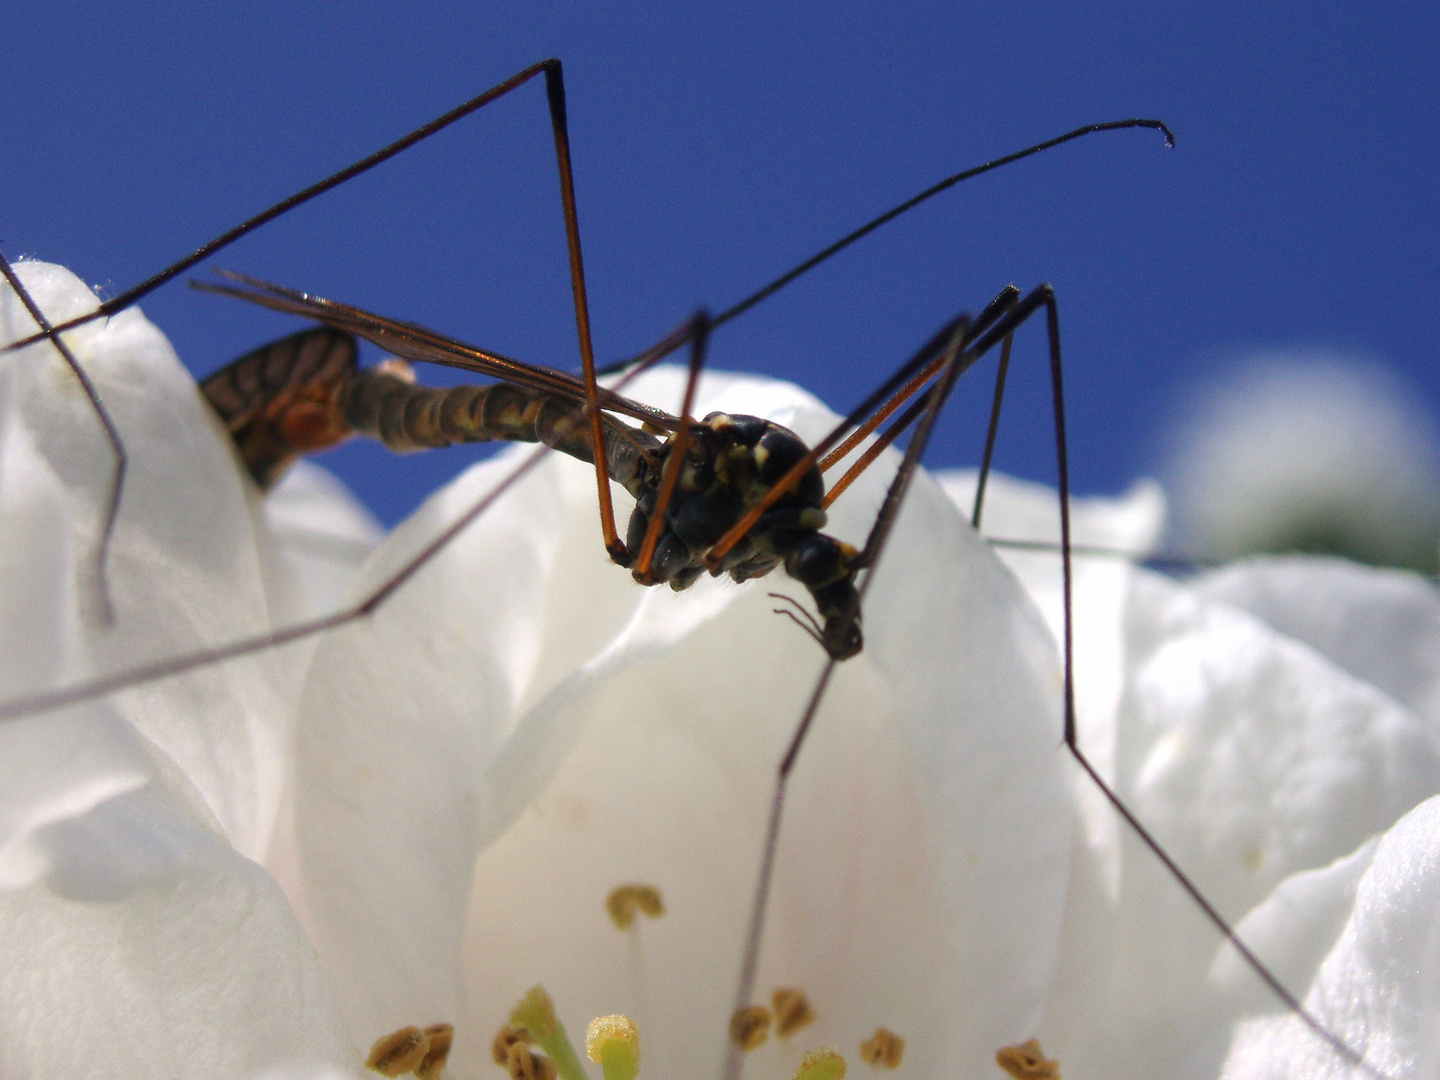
625 900
1027 1062
822 1064
883 1048
398 1053
613 1043
535 1012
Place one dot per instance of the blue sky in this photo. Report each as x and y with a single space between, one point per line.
715 146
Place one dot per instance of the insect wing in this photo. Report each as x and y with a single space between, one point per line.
416 343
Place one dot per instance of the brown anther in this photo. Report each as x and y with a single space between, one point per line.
525 1064
1028 1062
440 1036
505 1038
625 900
750 1026
398 1053
883 1048
792 1010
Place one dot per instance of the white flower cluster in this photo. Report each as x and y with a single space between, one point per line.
1308 451
259 867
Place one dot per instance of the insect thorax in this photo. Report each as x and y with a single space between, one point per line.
731 464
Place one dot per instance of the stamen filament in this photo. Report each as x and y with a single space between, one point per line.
535 1012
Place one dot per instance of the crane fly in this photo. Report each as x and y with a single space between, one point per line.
766 511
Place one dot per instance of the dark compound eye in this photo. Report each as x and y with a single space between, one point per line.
843 639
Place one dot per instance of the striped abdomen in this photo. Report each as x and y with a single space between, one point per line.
305 393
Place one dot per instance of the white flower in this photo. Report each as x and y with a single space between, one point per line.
140 937
447 791
1309 452
464 777
523 729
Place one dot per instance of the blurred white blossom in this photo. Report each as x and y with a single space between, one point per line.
1308 452
446 792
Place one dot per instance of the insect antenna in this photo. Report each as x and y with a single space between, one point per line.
799 615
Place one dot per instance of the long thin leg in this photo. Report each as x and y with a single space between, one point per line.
1001 371
1179 563
112 434
555 94
801 269
1045 296
997 307
225 239
925 358
894 392
699 338
955 363
955 333
874 450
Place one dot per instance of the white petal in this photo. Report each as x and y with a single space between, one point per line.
325 536
1021 510
922 863
188 564
134 939
1382 626
1250 757
55 768
1379 987
403 714
153 949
